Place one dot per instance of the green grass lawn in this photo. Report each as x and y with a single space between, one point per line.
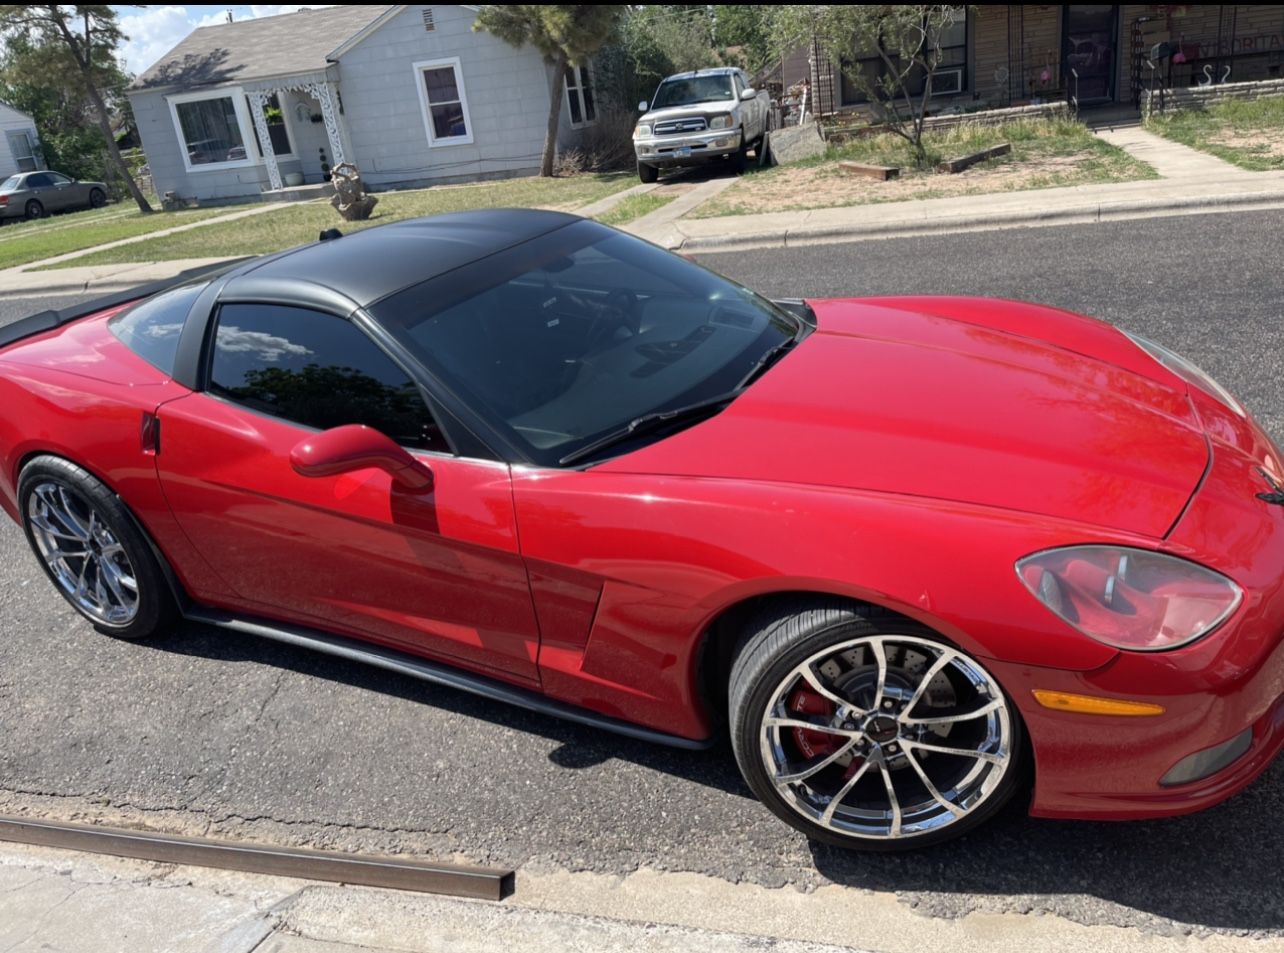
24 242
297 224
634 207
1045 153
1247 132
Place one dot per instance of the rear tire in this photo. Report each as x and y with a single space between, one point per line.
34 210
817 718
648 173
92 550
97 198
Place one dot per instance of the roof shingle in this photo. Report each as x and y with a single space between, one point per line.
256 49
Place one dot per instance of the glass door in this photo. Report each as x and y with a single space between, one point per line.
1090 44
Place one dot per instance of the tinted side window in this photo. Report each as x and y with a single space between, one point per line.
317 370
151 328
38 181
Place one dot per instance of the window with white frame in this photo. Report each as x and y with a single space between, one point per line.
444 102
579 96
213 129
23 147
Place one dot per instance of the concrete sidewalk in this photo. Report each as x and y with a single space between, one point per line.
53 900
1075 205
61 900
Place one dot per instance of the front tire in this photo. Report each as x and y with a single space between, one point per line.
92 550
863 729
648 173
97 198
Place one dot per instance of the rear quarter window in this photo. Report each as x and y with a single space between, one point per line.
151 328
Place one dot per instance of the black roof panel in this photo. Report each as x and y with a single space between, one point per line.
375 262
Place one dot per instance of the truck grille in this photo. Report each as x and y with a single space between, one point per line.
694 124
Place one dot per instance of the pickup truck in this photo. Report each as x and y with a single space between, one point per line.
698 117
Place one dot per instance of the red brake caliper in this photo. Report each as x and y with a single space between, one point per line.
813 744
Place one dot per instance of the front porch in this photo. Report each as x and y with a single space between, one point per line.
304 115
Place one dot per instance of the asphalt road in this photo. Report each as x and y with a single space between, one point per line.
227 734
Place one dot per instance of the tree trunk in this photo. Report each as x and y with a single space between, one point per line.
556 87
96 98
113 150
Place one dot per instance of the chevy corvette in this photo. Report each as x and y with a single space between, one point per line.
916 556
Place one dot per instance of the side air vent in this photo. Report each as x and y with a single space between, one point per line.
429 24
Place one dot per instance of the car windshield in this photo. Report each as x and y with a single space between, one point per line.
562 341
10 184
694 89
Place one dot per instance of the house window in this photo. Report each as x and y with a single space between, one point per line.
953 43
213 129
579 96
23 147
444 102
278 131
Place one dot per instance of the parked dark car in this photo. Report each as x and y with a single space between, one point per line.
36 194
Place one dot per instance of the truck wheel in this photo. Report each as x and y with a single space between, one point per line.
648 173
763 151
740 158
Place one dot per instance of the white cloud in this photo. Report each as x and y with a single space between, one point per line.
154 31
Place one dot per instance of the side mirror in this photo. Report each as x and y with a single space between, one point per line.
358 447
642 106
748 93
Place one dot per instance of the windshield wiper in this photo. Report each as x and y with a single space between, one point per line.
772 356
650 422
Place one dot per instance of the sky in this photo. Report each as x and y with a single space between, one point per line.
155 30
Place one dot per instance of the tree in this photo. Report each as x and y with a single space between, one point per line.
903 41
87 35
744 26
39 78
566 34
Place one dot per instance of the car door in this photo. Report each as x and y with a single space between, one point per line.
40 187
62 194
437 572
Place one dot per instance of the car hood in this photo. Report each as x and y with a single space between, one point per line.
694 109
995 403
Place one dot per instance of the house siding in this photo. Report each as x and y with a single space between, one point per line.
165 158
506 89
13 121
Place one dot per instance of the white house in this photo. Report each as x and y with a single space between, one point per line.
19 144
411 94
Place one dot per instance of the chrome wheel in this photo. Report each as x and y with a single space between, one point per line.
886 737
83 555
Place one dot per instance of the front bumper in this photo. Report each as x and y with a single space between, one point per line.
690 149
1211 690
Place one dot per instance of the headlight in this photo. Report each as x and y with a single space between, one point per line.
720 122
641 131
1187 371
1130 598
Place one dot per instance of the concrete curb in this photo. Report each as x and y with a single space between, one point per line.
1085 214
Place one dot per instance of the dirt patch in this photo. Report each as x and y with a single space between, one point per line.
823 186
1260 142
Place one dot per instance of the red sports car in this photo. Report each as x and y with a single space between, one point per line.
913 554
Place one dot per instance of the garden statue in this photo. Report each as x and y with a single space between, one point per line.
350 197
